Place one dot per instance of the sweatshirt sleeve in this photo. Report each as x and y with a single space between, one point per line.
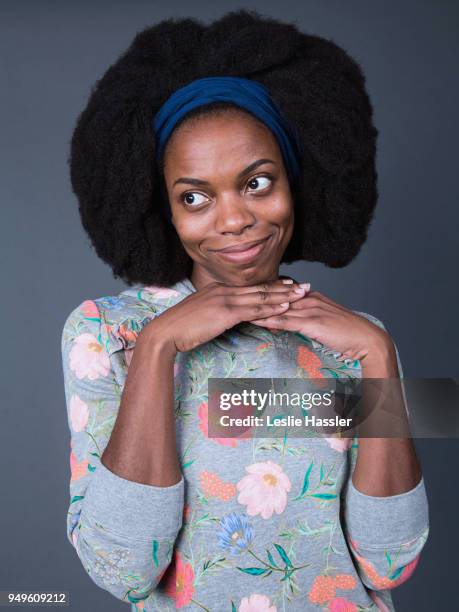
123 531
385 534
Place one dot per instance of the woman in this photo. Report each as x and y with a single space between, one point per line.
194 184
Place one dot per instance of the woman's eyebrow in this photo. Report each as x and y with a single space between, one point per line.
200 182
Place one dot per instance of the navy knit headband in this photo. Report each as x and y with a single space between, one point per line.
248 94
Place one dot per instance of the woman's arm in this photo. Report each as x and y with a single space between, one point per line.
386 508
386 466
126 510
142 447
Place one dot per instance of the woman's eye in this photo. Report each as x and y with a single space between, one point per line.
259 183
192 198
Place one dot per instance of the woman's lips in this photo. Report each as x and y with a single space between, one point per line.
244 256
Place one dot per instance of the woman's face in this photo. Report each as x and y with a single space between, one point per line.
227 187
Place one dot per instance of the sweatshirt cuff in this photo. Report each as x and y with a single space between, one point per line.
386 522
132 510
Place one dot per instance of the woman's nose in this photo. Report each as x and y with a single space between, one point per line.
233 214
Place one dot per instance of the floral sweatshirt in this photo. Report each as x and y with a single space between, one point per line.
254 525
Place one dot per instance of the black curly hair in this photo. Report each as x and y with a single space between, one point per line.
319 88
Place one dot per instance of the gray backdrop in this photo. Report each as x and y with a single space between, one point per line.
406 274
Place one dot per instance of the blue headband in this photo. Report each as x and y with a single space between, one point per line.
248 94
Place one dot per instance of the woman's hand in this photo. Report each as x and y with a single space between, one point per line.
335 326
210 311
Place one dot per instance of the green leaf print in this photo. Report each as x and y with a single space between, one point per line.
397 573
305 482
389 560
271 558
76 498
155 552
287 575
135 598
332 372
283 555
324 495
304 338
272 566
253 571
211 563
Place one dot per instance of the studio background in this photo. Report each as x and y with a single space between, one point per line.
406 273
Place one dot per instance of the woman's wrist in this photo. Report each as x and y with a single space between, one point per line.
153 340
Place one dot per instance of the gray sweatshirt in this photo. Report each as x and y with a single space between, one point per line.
255 524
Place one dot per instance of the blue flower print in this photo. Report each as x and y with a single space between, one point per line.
236 533
111 302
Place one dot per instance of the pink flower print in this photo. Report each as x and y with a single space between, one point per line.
339 604
203 414
211 411
87 358
405 574
179 582
345 581
128 335
213 486
264 489
79 413
384 582
263 346
78 469
256 603
339 444
322 590
161 292
90 310
309 362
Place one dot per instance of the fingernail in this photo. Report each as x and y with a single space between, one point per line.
299 290
284 304
287 281
305 286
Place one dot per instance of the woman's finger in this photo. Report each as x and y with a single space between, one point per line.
280 322
268 286
290 320
261 297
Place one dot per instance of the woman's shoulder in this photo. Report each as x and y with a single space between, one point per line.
132 301
371 318
118 319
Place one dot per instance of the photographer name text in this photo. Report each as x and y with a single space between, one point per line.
286 421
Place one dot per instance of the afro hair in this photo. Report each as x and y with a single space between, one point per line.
318 86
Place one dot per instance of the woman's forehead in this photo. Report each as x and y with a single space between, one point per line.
215 140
